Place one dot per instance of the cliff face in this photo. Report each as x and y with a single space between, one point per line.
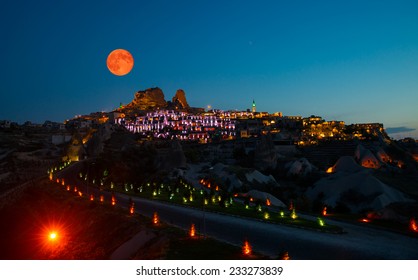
148 99
180 99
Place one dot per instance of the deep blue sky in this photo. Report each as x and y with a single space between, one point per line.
355 61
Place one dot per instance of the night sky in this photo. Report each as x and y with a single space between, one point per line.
355 61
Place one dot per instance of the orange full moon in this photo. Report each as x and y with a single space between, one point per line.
120 62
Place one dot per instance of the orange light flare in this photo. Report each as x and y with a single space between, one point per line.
50 176
101 198
63 182
52 236
155 219
192 231
132 209
58 181
91 197
113 201
364 220
235 195
413 225
285 256
330 170
80 193
268 202
217 188
68 188
246 248
324 211
75 189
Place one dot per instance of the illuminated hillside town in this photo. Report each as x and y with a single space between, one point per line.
228 125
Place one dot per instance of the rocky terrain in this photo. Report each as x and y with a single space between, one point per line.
25 154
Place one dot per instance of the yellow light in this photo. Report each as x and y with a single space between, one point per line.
293 215
52 235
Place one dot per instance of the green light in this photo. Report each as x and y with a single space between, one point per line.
282 214
321 222
266 215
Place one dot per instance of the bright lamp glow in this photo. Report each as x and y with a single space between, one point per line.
53 235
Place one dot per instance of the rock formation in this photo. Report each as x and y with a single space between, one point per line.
180 99
171 157
265 156
148 99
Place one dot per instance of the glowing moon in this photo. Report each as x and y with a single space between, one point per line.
120 62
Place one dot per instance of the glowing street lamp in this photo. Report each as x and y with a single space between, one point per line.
293 215
246 249
52 236
413 225
284 256
155 219
324 211
192 231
